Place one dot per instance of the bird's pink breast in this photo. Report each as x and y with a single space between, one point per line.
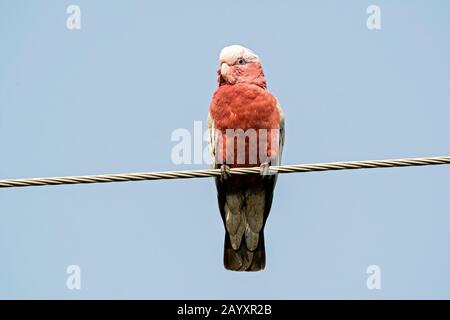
245 106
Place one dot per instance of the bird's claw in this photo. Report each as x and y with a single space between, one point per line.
264 169
225 172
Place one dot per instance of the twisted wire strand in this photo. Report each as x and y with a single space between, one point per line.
188 174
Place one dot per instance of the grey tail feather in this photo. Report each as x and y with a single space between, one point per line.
244 259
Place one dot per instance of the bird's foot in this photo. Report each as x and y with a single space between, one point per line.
265 169
225 172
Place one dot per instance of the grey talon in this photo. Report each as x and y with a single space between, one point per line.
265 169
225 172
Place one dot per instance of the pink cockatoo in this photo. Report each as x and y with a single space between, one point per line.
243 102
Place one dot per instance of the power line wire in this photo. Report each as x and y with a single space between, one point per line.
188 174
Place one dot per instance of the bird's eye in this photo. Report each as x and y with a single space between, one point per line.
241 61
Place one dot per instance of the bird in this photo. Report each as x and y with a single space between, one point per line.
242 103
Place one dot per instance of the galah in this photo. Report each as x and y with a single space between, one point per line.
242 101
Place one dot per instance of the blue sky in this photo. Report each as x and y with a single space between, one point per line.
106 98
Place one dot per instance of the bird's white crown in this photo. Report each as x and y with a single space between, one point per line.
231 54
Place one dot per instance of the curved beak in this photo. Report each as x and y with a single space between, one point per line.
224 70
